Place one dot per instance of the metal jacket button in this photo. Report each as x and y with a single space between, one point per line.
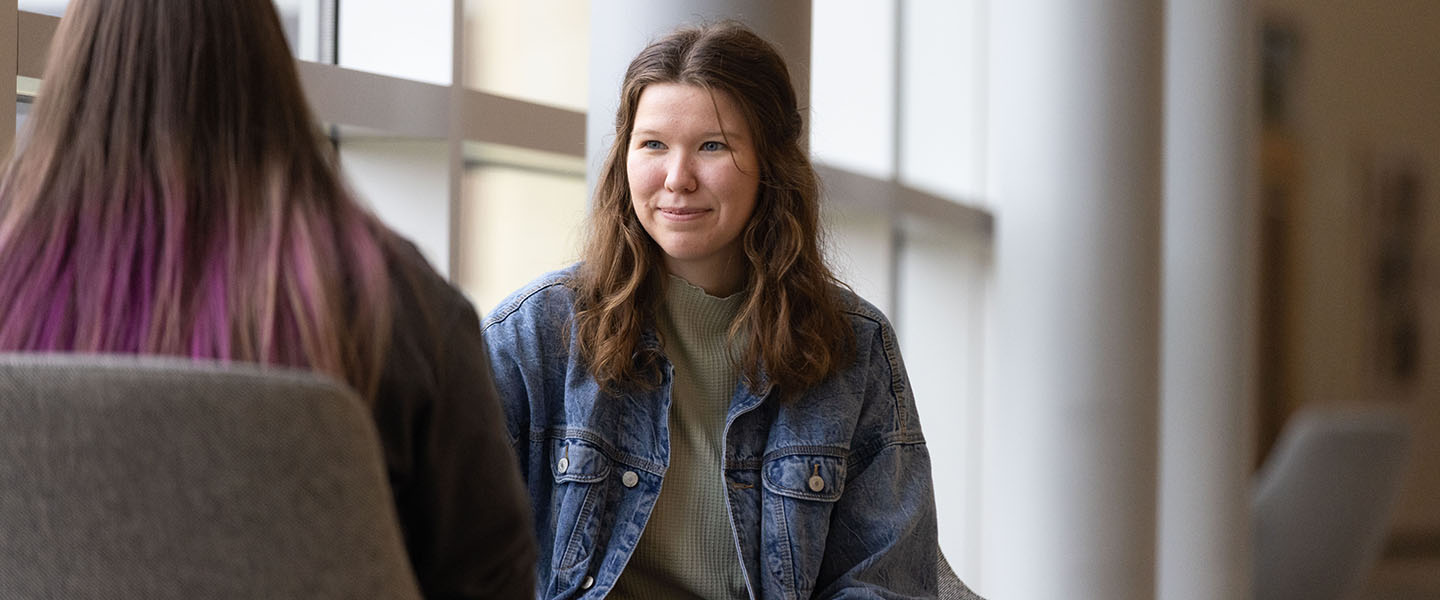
817 483
563 465
629 479
588 583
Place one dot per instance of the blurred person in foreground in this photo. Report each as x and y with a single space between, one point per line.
700 408
171 195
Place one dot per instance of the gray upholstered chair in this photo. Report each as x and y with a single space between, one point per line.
150 478
951 588
1322 502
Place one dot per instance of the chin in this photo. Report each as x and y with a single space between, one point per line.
682 251
683 256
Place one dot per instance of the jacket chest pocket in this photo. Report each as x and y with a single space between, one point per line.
579 468
815 477
802 488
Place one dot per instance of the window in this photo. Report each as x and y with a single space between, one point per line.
521 215
532 51
407 40
897 123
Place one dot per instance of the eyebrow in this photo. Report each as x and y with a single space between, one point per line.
708 134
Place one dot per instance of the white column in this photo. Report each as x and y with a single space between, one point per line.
1204 532
1071 418
619 29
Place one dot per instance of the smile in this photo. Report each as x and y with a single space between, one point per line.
684 214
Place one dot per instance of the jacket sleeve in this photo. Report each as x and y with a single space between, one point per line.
511 355
882 540
478 541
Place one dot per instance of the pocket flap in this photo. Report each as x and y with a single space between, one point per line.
805 476
577 460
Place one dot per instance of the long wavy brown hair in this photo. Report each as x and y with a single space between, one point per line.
794 329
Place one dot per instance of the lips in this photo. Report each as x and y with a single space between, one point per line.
683 213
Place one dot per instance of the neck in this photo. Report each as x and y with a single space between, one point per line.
719 278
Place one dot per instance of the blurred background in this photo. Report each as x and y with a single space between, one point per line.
1123 244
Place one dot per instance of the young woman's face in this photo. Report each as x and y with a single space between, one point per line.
694 178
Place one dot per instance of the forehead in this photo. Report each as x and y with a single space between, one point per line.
665 106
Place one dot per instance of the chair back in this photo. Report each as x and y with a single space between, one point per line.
125 477
1322 501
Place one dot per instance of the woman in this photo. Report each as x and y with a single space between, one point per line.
700 408
174 197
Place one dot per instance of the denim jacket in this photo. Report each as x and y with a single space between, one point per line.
829 494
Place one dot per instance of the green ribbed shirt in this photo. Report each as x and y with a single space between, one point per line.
687 549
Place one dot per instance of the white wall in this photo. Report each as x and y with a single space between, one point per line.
518 224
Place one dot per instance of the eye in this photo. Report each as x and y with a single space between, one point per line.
652 145
712 147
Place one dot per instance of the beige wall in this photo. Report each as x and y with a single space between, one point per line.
517 224
1367 93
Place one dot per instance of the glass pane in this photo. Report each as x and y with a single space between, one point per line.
942 99
410 40
518 220
53 8
22 112
942 276
309 26
860 247
303 20
407 183
852 80
534 51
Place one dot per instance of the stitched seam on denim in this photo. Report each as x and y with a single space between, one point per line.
511 308
887 342
610 452
572 547
787 558
862 457
831 451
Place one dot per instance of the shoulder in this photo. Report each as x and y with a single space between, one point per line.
434 343
879 368
865 319
874 335
421 292
544 300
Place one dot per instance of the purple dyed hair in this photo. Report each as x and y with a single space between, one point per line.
173 196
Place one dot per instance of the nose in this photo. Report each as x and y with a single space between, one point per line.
680 175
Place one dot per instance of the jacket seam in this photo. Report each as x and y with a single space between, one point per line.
864 455
504 312
812 450
607 450
854 457
897 387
